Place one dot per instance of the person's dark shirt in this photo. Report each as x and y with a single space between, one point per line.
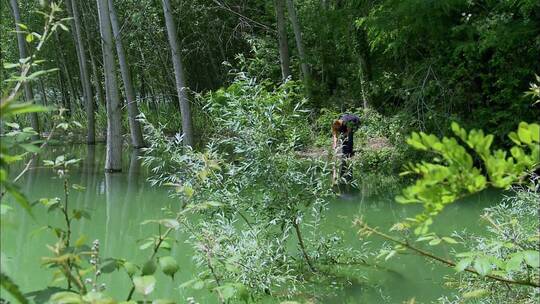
353 122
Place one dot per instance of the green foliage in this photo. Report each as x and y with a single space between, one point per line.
508 250
462 64
453 172
251 189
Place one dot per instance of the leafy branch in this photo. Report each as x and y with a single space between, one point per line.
365 229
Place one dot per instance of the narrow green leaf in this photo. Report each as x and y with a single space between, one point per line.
12 288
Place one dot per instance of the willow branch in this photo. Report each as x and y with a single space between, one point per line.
443 260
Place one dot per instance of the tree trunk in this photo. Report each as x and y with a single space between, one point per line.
282 38
43 92
64 67
179 75
95 69
83 68
299 43
65 93
29 95
364 64
113 160
133 110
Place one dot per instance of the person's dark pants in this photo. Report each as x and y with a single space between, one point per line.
348 151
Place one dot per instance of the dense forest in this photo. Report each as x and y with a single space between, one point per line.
291 151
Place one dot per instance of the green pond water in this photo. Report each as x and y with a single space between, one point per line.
118 203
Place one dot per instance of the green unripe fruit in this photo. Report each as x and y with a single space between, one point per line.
149 268
130 268
168 265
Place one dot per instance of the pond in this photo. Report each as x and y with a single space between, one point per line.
118 203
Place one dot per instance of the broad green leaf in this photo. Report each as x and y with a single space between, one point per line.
95 297
130 268
514 263
390 255
242 292
81 241
225 292
146 245
145 284
198 284
163 301
170 223
4 209
524 134
66 297
482 265
535 132
19 197
449 240
12 125
12 288
478 293
532 258
30 148
110 265
23 108
435 242
463 264
78 187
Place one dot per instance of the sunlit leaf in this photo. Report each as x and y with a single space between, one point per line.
145 284
482 265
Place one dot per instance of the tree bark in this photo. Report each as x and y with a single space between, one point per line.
185 110
299 42
95 69
43 92
83 68
133 110
71 89
113 159
364 63
64 92
28 94
282 38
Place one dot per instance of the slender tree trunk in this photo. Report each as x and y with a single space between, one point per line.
299 42
282 38
95 69
85 78
113 160
62 58
43 93
65 93
28 94
185 110
133 110
364 64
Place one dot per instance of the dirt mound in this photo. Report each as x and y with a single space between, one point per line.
314 152
378 143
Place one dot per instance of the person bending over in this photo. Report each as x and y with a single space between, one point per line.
344 128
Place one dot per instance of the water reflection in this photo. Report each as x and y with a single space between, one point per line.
119 202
